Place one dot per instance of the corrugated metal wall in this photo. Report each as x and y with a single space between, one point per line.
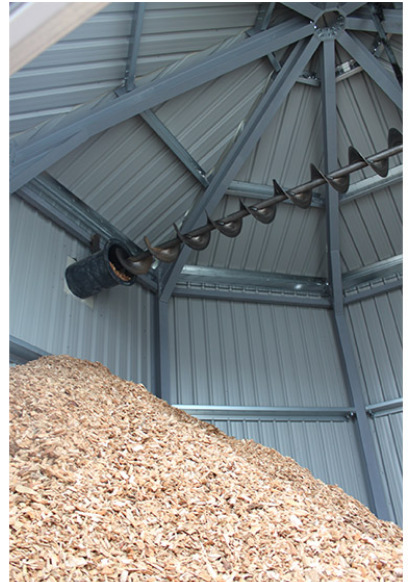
113 327
249 355
376 329
327 448
376 326
243 354
297 238
388 433
379 213
91 60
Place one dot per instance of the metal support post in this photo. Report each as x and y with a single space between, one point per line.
161 349
134 44
371 467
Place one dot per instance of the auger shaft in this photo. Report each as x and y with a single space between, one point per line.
300 195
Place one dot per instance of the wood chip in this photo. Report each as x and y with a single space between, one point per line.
109 483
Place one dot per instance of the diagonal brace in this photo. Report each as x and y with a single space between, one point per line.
241 149
372 67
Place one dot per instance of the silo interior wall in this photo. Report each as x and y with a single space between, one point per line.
113 327
376 330
247 354
252 355
223 354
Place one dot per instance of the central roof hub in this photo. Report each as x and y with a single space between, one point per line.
329 24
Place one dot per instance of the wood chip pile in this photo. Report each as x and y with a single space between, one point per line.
109 483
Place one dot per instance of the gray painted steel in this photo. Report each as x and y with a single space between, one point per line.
385 408
392 23
162 371
240 150
372 184
269 412
57 203
372 290
385 80
175 146
369 460
293 244
22 352
134 44
114 327
307 9
386 269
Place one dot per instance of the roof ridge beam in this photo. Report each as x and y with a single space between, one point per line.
35 156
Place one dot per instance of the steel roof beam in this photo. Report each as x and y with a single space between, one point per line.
241 149
330 147
175 146
264 16
377 16
262 20
372 67
30 156
392 23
